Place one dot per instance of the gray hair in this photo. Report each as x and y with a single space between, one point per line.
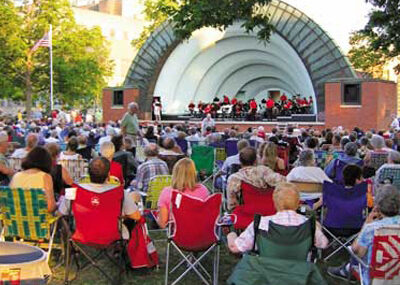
306 158
388 200
151 150
351 149
377 142
107 149
394 156
32 140
133 105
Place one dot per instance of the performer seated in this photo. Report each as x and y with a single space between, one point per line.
226 100
191 108
283 99
234 101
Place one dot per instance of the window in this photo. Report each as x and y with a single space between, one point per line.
118 98
351 94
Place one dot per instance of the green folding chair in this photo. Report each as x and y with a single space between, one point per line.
24 216
204 159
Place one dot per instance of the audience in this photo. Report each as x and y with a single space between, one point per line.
71 152
31 142
107 150
270 158
5 170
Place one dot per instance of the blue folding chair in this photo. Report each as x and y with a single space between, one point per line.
231 147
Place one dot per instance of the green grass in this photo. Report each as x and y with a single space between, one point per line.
156 277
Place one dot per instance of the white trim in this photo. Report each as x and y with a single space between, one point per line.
351 106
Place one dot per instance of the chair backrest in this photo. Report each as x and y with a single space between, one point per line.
378 159
97 215
308 187
286 242
194 220
24 213
203 157
338 170
389 175
385 255
183 144
254 143
320 158
256 200
77 168
220 156
156 185
15 163
231 147
345 207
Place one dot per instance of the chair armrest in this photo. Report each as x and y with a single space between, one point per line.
356 257
227 220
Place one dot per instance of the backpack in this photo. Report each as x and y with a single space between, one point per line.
141 250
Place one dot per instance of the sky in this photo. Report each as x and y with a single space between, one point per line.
337 17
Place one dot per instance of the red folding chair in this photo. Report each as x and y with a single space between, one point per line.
97 227
194 229
253 201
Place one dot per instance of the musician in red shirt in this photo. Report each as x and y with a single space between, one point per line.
283 98
270 105
234 101
226 100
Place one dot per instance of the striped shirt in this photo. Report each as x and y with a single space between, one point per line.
147 170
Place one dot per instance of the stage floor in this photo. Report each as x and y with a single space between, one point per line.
244 125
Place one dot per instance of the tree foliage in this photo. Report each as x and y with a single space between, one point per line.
190 15
80 55
381 34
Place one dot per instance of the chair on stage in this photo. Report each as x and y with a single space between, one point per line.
194 234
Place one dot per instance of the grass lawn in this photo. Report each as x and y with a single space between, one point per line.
156 277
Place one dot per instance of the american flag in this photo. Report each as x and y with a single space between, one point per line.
43 42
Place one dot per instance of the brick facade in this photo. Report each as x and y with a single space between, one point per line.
378 103
115 113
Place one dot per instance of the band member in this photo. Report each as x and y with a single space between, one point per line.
216 99
234 101
283 99
157 110
207 109
253 109
191 108
201 107
226 100
270 104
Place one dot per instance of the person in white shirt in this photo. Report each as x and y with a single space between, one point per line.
207 122
395 123
31 142
109 134
53 137
307 171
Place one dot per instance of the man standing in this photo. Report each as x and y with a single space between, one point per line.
207 122
395 125
130 125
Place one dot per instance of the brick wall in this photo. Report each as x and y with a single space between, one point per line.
378 102
115 113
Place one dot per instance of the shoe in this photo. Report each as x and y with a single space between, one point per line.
342 273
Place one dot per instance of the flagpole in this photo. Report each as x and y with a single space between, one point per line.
51 67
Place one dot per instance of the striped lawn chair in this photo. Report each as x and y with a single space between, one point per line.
156 185
389 175
24 215
77 168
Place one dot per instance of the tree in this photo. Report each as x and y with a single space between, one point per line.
383 28
364 57
190 15
80 55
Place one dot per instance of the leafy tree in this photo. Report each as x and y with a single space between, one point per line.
383 28
80 55
364 57
190 15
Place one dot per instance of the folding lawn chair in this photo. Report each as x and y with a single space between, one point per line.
320 158
156 185
77 168
194 229
183 144
384 266
97 217
24 215
343 213
253 201
231 147
389 175
282 256
204 159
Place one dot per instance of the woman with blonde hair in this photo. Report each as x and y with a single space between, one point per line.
184 179
270 158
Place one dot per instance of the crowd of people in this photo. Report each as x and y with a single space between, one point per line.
268 108
134 154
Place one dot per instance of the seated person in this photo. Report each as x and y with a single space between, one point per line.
286 200
99 169
234 159
349 157
153 166
352 175
386 212
270 158
171 153
183 180
36 173
393 163
71 152
125 158
31 141
259 176
6 172
306 171
107 150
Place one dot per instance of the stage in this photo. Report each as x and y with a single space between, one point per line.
242 125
